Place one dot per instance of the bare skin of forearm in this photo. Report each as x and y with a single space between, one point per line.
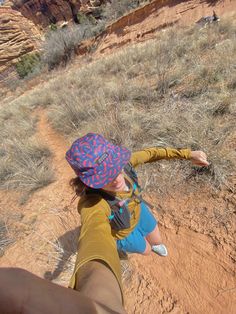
24 293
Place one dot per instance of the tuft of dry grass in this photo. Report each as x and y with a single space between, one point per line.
24 161
5 237
24 165
56 247
115 9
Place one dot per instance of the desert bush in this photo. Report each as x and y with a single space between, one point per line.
68 113
227 25
39 98
116 9
60 45
28 64
57 246
86 19
25 165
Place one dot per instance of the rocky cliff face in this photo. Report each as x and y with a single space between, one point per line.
20 24
18 36
46 12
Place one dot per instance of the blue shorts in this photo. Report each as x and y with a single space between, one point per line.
135 242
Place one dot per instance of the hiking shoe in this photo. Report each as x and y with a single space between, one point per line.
160 249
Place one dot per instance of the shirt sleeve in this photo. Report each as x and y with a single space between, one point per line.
157 153
96 241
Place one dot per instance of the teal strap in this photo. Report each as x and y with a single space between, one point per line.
111 217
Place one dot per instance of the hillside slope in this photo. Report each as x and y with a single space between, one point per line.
199 274
144 22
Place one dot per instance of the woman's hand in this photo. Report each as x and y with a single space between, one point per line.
199 158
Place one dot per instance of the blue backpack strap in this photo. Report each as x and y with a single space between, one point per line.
130 171
120 214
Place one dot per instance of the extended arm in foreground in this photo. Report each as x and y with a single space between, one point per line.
96 278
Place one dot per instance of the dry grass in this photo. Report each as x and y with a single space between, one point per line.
24 161
177 90
115 9
60 45
5 237
9 229
56 247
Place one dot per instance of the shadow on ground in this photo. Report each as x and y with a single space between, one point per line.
68 245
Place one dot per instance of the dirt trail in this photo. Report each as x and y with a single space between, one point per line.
57 145
42 210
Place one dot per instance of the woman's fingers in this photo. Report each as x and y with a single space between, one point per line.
199 158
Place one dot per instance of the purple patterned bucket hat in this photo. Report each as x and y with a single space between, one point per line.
96 161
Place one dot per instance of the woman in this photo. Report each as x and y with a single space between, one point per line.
99 166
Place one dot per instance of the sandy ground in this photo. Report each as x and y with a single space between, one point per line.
198 276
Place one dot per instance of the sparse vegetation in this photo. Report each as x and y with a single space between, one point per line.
24 162
185 98
53 27
177 90
115 9
61 44
28 64
5 238
86 19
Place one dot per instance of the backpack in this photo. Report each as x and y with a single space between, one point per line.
120 214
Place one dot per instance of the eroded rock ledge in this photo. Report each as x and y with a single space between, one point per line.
18 37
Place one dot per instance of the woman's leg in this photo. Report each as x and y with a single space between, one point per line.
154 237
145 234
148 249
155 241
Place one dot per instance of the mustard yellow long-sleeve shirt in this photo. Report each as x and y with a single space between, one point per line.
97 240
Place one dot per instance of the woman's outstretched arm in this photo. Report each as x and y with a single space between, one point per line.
96 278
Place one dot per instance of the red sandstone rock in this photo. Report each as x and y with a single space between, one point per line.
18 36
46 12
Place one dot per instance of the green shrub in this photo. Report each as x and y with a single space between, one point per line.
27 64
86 19
53 27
